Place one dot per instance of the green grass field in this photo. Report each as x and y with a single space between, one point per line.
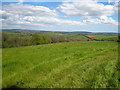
61 65
107 37
76 36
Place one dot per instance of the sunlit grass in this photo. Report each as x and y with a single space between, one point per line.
61 65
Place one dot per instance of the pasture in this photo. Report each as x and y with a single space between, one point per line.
85 64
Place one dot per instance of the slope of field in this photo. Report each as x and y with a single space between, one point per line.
61 65
107 37
76 36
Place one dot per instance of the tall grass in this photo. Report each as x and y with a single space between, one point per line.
61 65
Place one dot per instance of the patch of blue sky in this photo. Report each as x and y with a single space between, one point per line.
51 5
107 3
6 3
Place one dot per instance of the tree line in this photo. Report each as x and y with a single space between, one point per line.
9 41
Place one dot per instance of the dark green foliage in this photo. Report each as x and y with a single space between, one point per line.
45 39
19 40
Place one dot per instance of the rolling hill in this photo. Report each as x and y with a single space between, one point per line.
90 64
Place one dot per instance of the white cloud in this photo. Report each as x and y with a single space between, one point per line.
2 12
28 10
89 10
52 21
18 14
102 20
86 8
21 1
14 13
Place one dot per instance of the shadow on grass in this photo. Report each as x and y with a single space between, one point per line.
12 88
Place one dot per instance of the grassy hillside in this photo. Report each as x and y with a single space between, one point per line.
76 37
107 37
63 65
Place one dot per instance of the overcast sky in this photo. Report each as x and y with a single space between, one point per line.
89 15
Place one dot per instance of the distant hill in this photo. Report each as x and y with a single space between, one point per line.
11 29
81 32
55 31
